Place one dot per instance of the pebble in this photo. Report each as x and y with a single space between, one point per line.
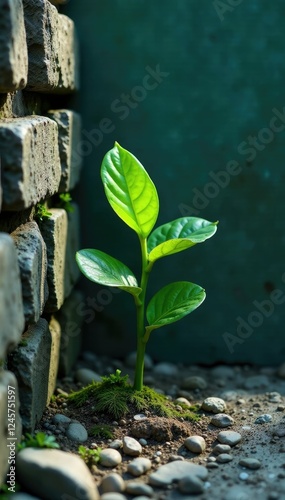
223 458
244 476
274 397
222 420
196 444
174 458
139 417
110 457
131 446
190 485
174 471
194 382
116 444
77 432
223 372
166 369
112 483
60 419
182 400
229 437
86 376
250 463
256 382
113 496
139 488
237 493
214 405
221 448
56 473
143 441
263 419
139 466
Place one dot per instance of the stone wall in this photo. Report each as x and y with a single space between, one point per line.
38 140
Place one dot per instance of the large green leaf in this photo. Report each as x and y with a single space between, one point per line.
172 303
129 190
101 268
179 235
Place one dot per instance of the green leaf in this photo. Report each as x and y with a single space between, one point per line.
101 268
179 235
129 190
172 303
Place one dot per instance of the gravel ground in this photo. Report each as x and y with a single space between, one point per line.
251 402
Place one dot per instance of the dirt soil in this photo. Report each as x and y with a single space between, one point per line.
249 392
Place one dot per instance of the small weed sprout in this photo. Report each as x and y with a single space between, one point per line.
39 440
133 196
89 456
42 212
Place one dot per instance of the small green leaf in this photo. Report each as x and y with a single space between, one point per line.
172 303
129 190
101 268
179 235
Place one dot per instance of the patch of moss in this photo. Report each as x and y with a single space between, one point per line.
116 397
101 430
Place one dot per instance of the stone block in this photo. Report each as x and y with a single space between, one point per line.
55 331
30 162
72 272
52 49
54 232
70 317
14 53
10 421
69 134
31 363
12 320
32 259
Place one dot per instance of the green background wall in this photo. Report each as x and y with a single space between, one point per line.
225 69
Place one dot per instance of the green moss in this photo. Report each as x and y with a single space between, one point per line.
116 397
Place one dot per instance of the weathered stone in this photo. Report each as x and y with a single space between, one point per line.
70 317
12 320
10 422
54 231
55 331
30 362
17 104
52 48
71 271
174 471
77 432
59 475
14 53
110 457
29 160
32 261
69 131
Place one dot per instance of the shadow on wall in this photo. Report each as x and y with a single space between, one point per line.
194 91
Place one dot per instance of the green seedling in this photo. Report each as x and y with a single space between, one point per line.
39 440
133 196
42 212
64 201
89 456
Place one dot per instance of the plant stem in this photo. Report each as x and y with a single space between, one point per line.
140 306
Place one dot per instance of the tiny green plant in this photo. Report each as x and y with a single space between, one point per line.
39 440
64 201
42 212
90 456
133 196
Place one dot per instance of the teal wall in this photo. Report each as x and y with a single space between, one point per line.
217 107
